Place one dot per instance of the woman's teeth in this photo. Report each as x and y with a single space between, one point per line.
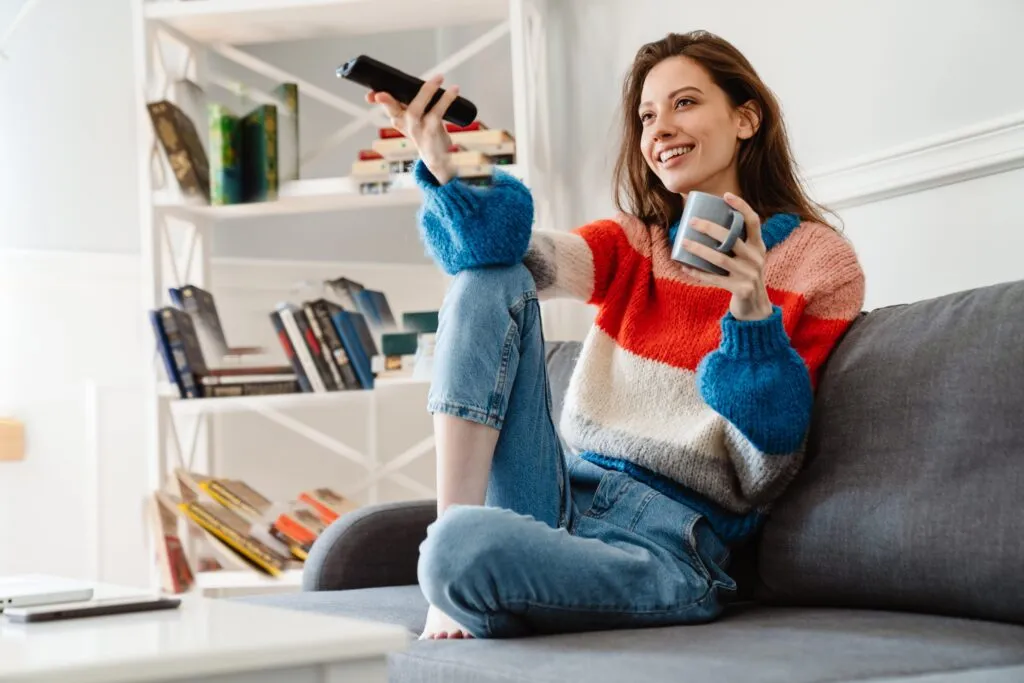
674 152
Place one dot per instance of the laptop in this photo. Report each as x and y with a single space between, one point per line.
39 589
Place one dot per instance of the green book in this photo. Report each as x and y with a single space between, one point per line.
259 154
287 132
420 321
225 153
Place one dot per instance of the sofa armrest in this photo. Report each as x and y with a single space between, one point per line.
377 545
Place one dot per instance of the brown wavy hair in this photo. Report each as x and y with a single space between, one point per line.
765 167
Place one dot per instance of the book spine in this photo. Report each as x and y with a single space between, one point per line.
354 348
288 131
289 351
259 154
288 318
189 384
254 389
321 341
323 315
164 348
315 352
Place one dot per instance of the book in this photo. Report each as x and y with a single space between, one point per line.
389 132
290 315
225 155
253 388
355 346
288 162
328 504
200 305
260 180
233 530
373 304
316 353
183 148
345 290
420 321
322 311
175 571
178 342
289 351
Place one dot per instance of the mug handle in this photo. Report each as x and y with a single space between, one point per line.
734 232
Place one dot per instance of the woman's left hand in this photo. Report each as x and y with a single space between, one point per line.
745 269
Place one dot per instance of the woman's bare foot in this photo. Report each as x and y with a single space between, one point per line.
440 625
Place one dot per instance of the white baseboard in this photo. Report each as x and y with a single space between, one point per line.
971 152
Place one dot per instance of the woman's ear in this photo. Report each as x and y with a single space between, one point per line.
749 119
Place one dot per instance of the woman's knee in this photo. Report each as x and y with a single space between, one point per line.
458 556
503 283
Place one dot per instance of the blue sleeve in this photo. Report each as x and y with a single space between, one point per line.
463 226
757 381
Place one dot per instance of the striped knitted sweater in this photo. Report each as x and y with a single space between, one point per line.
669 386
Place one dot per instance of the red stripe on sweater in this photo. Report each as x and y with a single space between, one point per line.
605 239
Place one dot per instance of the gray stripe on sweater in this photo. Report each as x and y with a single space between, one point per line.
720 463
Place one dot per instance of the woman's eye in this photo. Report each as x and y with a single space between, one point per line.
646 116
684 100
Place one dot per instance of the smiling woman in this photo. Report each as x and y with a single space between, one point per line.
689 403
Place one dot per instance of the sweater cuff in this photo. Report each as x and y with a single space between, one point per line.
455 198
754 339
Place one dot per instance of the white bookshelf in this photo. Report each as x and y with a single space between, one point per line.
181 428
316 195
226 582
240 404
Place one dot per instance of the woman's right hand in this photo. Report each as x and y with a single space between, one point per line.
427 130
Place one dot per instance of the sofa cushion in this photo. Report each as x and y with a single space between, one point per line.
910 497
778 644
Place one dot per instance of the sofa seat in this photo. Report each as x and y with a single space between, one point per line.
766 644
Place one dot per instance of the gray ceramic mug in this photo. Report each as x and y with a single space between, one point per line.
714 209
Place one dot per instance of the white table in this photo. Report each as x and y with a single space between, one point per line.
204 640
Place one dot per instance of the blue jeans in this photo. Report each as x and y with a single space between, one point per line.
560 544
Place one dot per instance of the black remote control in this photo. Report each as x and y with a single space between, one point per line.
376 75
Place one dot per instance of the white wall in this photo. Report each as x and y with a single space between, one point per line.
67 154
854 79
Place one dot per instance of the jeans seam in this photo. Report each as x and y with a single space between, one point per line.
499 404
630 609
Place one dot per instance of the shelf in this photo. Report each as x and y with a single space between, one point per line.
239 22
317 195
238 404
222 579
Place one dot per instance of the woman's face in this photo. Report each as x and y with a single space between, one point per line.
691 132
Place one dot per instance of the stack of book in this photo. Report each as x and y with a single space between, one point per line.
475 150
329 344
237 527
221 156
197 358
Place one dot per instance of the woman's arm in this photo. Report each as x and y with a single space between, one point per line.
762 380
464 226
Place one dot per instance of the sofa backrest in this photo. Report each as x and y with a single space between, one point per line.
912 493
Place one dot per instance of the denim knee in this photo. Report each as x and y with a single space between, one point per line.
457 560
506 284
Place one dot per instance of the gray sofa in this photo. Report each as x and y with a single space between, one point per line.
896 555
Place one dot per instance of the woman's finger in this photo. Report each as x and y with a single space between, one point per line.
710 255
439 109
710 279
720 233
393 107
752 222
419 103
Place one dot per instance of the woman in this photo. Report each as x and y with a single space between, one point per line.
687 410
